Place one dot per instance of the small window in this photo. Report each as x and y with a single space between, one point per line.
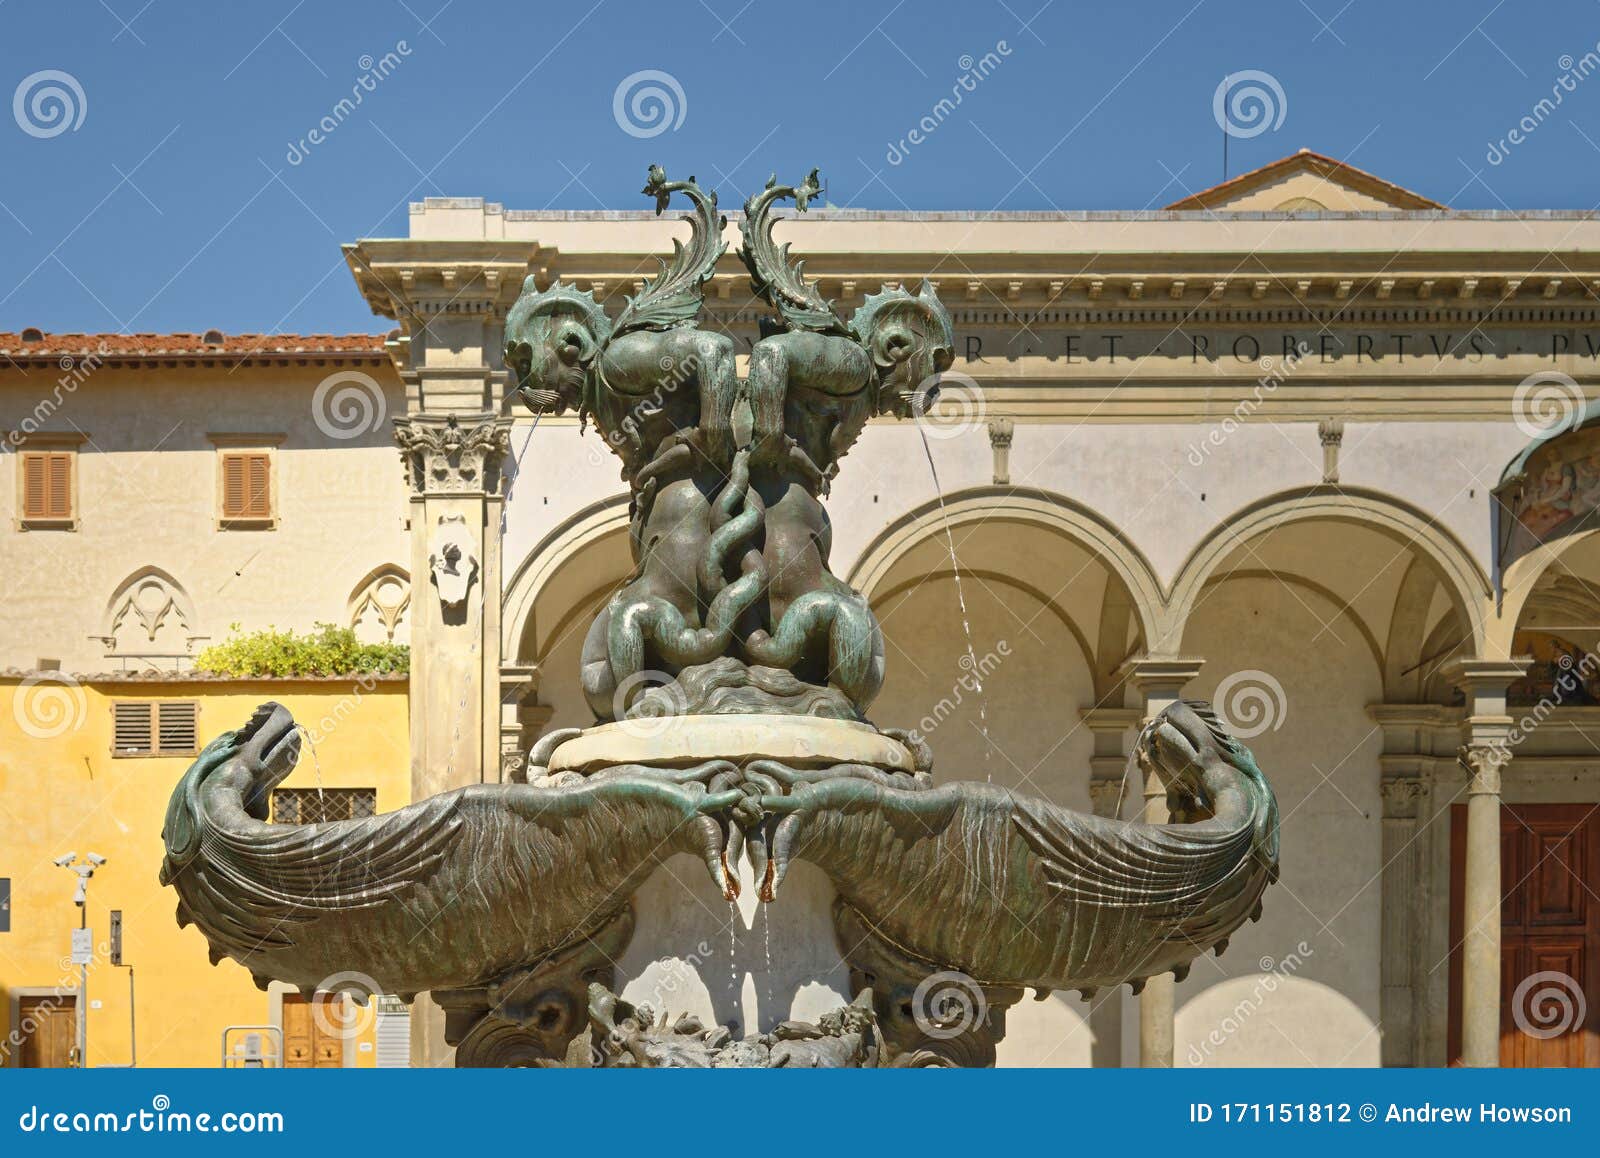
316 805
47 488
246 487
141 728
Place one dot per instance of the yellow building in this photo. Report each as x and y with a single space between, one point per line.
79 773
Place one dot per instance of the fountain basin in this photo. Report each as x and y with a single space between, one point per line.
799 741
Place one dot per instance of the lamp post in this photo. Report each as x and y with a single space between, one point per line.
84 870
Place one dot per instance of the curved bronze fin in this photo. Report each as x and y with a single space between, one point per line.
674 296
779 283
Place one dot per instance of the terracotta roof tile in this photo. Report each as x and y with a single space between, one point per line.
186 677
33 344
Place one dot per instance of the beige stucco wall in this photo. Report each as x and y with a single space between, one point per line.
147 497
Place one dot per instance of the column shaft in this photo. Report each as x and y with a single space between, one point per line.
1480 948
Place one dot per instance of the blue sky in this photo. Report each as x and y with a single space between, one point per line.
169 199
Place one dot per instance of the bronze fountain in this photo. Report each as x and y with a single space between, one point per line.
730 678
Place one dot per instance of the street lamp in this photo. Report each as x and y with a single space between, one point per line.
84 870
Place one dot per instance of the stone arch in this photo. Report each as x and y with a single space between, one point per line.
149 613
586 529
1342 610
379 605
1463 579
1072 626
1520 581
1044 509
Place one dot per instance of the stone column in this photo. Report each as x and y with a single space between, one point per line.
1160 681
1108 790
1486 751
1412 736
453 468
1001 431
1480 939
522 716
1403 873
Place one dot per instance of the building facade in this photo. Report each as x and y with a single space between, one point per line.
1307 444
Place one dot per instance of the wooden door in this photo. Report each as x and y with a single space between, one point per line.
1549 934
312 1033
47 1028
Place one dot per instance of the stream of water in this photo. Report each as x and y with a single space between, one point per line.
961 598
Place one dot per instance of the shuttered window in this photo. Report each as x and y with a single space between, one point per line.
47 485
246 486
141 728
316 805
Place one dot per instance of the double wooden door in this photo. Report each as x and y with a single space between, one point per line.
47 1029
1549 933
313 1031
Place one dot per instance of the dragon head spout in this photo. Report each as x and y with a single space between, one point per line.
253 758
911 341
1189 748
552 337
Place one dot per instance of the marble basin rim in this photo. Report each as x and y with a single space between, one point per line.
675 741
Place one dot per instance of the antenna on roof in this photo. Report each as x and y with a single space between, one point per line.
1224 150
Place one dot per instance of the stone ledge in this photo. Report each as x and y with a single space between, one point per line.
801 741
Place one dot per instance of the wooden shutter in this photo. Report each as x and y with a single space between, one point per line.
133 734
47 485
246 485
141 728
176 728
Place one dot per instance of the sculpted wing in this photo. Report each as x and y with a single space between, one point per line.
455 890
1015 891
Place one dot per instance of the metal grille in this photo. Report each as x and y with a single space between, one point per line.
316 805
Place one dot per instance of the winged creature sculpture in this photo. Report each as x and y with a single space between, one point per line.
511 902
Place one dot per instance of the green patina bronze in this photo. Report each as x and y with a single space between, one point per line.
525 890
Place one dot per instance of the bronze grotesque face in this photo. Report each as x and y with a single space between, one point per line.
551 342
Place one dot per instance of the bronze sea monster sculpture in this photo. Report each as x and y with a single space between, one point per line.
754 667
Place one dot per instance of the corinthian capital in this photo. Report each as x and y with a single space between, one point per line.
444 455
1485 760
1400 796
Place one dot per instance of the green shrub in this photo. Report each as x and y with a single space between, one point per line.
328 650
